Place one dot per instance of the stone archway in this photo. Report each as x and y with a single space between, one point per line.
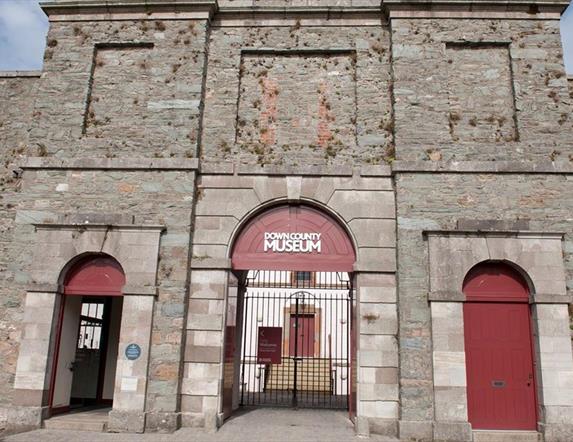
294 265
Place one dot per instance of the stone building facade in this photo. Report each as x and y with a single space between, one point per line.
438 134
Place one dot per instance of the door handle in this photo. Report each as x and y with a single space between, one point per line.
72 365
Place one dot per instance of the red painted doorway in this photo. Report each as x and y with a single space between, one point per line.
87 339
301 336
498 347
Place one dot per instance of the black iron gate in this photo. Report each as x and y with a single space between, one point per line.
296 339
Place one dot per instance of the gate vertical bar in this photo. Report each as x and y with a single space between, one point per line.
243 352
294 388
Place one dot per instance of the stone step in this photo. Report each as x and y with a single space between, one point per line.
76 425
90 420
506 436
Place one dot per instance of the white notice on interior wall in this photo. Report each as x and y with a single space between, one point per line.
128 383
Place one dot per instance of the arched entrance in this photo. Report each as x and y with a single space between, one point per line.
498 347
290 322
87 341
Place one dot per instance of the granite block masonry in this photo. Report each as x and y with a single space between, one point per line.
438 137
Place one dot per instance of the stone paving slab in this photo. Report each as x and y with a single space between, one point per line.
252 425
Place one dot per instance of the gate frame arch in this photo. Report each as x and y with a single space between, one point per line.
269 205
362 202
240 276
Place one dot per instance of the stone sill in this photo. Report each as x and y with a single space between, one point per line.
495 233
564 167
20 74
127 290
229 168
116 227
40 163
536 298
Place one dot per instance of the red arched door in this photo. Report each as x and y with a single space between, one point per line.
88 334
498 346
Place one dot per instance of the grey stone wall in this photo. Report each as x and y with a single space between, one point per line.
447 201
66 195
484 90
298 92
127 106
111 90
131 88
17 91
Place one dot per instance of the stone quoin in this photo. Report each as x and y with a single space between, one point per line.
363 205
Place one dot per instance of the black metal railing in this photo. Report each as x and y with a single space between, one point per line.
296 339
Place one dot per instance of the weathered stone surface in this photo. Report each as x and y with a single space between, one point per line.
289 105
454 103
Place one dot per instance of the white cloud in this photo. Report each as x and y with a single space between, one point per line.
23 28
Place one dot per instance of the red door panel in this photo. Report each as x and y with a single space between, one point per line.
499 366
304 328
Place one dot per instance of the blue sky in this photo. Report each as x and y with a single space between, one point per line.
23 29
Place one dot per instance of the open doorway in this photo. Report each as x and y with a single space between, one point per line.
295 348
87 342
290 326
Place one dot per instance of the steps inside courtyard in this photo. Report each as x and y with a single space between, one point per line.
312 375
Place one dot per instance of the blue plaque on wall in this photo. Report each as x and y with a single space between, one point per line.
132 352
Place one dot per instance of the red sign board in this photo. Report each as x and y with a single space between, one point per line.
295 238
270 345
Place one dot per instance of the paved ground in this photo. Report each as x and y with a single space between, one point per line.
255 425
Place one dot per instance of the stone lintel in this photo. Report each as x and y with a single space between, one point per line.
475 9
494 234
540 167
43 288
40 163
